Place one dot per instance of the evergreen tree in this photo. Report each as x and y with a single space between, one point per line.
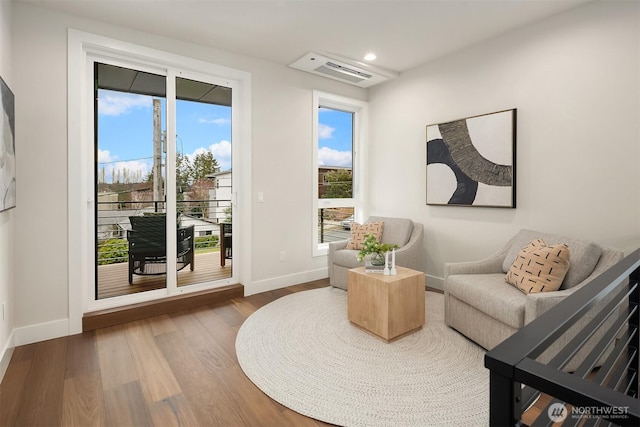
204 164
183 173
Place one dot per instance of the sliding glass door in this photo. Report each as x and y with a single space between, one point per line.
163 213
203 177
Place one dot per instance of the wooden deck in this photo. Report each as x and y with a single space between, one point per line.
113 279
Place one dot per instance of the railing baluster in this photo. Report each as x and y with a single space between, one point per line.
111 214
504 400
634 322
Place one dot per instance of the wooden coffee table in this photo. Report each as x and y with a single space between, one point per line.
389 307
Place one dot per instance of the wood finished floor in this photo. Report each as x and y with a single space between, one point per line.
172 370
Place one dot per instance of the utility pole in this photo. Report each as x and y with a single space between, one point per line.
158 194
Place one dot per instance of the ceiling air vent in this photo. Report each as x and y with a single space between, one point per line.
338 69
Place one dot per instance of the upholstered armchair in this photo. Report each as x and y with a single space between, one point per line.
486 309
403 232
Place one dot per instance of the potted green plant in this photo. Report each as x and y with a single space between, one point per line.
375 248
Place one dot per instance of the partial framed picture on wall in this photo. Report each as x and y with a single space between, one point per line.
7 149
472 161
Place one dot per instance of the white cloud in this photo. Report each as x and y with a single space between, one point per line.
222 153
221 121
104 156
330 157
325 131
115 104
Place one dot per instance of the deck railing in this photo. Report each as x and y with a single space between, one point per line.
334 224
112 222
603 388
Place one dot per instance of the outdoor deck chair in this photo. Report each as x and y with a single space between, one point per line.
225 243
148 246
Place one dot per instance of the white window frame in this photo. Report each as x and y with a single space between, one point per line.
360 110
81 252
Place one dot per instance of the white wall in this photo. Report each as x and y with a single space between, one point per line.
7 219
281 152
574 79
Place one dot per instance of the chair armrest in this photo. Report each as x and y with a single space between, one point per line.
186 240
333 247
411 254
338 245
415 239
492 264
185 232
129 238
538 303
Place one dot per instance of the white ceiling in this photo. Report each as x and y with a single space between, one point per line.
404 34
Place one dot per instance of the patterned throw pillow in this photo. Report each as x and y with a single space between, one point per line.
539 268
359 231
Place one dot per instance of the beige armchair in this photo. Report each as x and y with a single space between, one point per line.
486 309
403 232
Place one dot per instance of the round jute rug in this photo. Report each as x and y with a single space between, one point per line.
302 351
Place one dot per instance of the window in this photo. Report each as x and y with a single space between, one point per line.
339 125
84 50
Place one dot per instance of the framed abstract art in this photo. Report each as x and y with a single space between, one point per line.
472 161
7 149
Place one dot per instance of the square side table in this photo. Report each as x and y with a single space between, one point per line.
389 307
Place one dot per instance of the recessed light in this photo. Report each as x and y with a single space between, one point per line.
370 57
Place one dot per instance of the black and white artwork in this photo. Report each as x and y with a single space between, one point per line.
471 162
7 149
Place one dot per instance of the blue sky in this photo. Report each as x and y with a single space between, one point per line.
125 133
335 131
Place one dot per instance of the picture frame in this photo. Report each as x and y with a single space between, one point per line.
472 161
7 148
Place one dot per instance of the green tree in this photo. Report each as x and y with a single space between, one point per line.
203 164
340 185
183 174
190 173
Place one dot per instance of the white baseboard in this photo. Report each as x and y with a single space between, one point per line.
5 356
41 332
284 281
435 282
60 328
308 276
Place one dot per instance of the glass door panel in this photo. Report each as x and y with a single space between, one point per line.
130 160
204 179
